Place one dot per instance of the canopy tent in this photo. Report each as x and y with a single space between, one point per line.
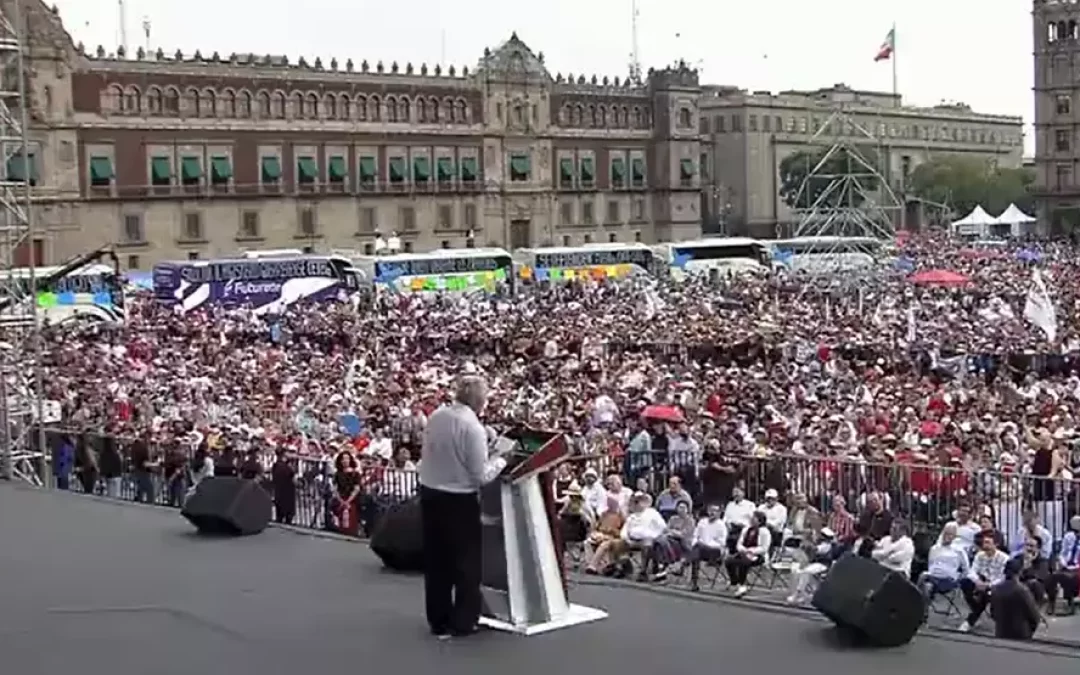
1014 216
976 224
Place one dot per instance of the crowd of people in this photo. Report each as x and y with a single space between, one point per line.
822 398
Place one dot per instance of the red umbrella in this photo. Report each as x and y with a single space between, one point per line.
663 413
939 278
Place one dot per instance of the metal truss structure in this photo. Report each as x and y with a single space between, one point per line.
21 453
845 193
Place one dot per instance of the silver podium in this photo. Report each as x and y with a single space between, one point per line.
524 582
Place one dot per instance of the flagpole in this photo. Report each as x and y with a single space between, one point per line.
895 89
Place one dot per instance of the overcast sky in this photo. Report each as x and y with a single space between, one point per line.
973 51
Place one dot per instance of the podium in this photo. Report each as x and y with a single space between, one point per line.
524 578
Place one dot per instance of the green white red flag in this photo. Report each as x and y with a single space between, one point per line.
887 48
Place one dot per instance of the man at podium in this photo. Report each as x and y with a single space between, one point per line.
454 465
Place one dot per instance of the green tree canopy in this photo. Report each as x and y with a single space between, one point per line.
801 185
966 182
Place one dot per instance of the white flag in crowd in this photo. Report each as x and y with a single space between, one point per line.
1039 309
653 304
911 325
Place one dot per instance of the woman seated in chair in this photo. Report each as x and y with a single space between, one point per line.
575 518
605 536
801 534
751 550
672 545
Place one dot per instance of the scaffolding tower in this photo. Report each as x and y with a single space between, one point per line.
21 441
844 199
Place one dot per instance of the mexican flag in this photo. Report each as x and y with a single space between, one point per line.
887 48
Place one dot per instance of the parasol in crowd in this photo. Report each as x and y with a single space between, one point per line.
939 278
663 413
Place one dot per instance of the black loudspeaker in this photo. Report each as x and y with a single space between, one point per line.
228 506
873 604
398 538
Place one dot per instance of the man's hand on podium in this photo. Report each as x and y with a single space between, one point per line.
493 468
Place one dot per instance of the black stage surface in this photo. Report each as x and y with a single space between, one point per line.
95 587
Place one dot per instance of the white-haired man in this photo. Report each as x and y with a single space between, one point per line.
454 466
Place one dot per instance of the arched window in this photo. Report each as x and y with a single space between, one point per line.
243 105
330 107
625 117
391 109
264 105
462 112
132 101
228 103
362 108
154 101
639 118
421 110
579 116
1072 29
686 118
277 105
616 117
172 101
194 101
345 110
114 99
375 106
404 110
296 102
209 103
311 108
594 118
433 112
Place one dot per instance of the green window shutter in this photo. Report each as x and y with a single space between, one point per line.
160 170
421 169
469 169
101 171
519 167
20 169
566 172
335 169
190 170
444 169
220 169
686 169
637 171
397 169
271 169
588 170
307 171
368 169
618 172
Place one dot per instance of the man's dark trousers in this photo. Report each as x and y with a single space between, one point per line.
452 560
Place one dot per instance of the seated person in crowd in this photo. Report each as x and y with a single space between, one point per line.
615 488
738 514
825 552
672 545
840 520
875 523
1034 569
966 529
575 518
1067 575
593 491
1015 612
947 564
708 544
776 515
803 524
751 550
987 529
1033 529
643 526
896 550
987 570
668 500
598 547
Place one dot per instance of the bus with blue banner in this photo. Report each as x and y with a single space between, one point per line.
93 291
267 284
594 261
716 256
458 269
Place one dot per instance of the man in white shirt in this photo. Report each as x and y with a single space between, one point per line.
987 570
643 526
620 492
947 564
896 551
593 491
707 545
966 529
737 515
775 514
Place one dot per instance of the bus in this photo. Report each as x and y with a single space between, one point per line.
92 292
827 254
724 256
567 262
264 284
447 269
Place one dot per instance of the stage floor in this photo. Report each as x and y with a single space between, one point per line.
95 587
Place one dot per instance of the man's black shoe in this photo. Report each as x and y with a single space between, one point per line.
465 632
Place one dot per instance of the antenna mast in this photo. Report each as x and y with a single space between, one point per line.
146 32
635 61
123 25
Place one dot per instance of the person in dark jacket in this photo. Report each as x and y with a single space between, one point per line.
63 462
283 479
1016 615
111 463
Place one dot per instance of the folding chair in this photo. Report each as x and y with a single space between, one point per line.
718 572
951 608
771 573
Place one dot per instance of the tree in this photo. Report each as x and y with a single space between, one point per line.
801 185
966 182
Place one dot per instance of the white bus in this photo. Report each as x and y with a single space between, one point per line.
723 256
453 269
624 258
827 254
92 292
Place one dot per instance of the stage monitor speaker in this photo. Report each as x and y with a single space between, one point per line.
875 605
398 538
228 506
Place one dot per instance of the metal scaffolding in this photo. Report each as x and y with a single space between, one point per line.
844 195
21 455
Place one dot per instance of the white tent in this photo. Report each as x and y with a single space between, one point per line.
1014 216
976 224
